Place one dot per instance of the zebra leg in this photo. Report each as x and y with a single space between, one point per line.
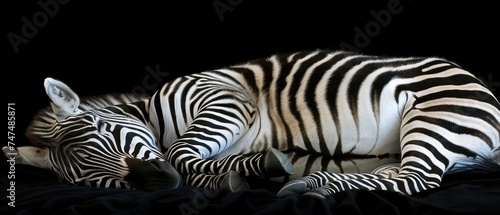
318 180
390 170
411 179
425 157
230 181
272 163
223 119
318 170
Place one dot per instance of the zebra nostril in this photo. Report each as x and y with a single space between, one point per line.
151 175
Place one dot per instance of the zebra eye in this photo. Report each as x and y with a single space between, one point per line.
82 154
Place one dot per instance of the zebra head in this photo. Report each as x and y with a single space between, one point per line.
108 146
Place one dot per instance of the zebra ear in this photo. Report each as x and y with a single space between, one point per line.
65 102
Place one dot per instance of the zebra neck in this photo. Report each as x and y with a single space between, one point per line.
138 110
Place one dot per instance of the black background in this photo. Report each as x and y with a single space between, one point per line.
85 42
105 46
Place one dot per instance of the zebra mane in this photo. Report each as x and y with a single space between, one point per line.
95 102
45 118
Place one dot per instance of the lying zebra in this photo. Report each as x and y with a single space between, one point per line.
343 120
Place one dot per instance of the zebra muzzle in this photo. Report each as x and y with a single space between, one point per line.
151 175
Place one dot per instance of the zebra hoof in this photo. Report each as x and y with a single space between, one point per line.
276 164
233 182
314 195
295 186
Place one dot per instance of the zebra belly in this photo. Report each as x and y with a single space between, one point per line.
364 133
358 142
366 154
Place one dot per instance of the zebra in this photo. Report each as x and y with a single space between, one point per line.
321 122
